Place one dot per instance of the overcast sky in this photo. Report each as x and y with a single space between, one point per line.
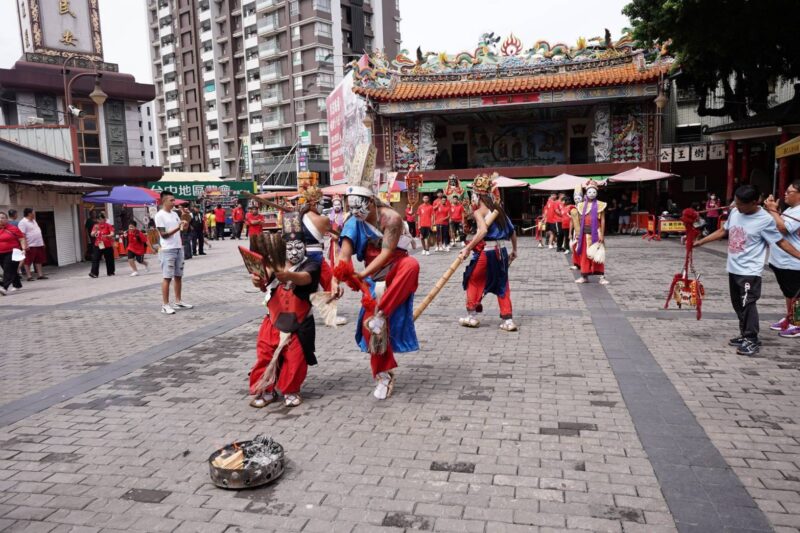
435 25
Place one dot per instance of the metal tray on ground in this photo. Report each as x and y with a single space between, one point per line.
246 478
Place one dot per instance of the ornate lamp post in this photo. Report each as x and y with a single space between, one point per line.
98 96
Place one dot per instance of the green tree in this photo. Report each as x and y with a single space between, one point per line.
742 46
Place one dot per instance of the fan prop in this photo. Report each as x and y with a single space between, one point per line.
683 289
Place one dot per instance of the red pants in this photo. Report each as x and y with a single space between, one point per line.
292 368
325 276
588 267
575 259
401 283
476 285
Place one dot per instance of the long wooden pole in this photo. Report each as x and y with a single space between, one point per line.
267 203
448 274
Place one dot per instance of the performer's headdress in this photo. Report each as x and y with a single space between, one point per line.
592 184
578 192
484 185
360 178
292 228
310 194
336 198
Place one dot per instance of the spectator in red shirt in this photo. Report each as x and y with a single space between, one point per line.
457 220
442 224
561 244
563 239
411 220
10 237
238 222
103 235
255 223
219 215
137 246
425 216
553 219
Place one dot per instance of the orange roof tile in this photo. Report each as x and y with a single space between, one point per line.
406 90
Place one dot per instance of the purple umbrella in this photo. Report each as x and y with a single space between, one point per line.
123 195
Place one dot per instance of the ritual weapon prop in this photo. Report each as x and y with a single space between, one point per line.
684 289
448 274
268 203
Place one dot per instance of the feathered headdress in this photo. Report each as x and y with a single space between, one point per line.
360 177
310 194
292 228
592 184
483 184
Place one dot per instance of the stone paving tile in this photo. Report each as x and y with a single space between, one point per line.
459 447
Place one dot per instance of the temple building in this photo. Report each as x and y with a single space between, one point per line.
527 113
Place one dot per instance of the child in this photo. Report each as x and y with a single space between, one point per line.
137 246
750 230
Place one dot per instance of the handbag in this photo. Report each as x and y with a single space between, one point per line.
17 255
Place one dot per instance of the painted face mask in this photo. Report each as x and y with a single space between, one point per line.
591 194
359 206
337 207
295 251
578 198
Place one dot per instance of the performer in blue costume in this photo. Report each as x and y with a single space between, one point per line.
487 271
375 234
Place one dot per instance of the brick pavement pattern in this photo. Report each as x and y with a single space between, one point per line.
487 431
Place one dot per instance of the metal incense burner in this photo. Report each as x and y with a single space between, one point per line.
262 461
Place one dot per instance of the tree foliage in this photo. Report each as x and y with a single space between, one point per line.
742 46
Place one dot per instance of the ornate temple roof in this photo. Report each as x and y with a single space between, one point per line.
487 73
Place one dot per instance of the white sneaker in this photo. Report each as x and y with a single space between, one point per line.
182 305
463 244
550 246
3 292
540 245
13 289
508 325
134 273
341 320
385 384
566 252
446 248
147 269
167 310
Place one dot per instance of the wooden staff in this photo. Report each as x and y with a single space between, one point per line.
448 274
267 203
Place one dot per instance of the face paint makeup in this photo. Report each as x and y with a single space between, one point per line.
359 206
295 251
578 198
591 194
337 206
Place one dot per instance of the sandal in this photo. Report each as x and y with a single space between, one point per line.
260 401
293 400
469 322
384 388
30 278
581 280
42 277
604 281
508 325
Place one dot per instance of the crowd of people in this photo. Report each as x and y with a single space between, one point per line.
22 250
439 224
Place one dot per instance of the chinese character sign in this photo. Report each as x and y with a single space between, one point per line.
681 153
665 155
346 129
61 27
716 151
699 152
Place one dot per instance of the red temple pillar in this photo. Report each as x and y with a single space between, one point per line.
745 170
731 170
783 169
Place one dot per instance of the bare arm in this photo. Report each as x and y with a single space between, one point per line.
771 207
24 243
784 245
298 278
717 235
393 228
481 230
603 226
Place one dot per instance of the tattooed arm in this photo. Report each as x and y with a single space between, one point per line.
392 224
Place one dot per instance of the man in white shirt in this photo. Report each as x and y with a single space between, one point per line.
169 226
36 255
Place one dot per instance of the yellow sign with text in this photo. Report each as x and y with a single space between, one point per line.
672 226
789 148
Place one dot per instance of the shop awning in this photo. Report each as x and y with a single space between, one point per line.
790 147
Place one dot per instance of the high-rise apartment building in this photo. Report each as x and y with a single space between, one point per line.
229 70
148 134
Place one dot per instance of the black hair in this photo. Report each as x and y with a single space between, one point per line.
502 218
747 193
12 213
164 194
27 211
439 191
219 206
132 223
102 215
795 184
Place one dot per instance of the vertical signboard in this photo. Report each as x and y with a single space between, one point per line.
58 28
346 130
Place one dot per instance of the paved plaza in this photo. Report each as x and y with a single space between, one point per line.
603 413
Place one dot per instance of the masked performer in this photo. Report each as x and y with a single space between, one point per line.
592 229
288 329
336 216
488 270
374 233
574 226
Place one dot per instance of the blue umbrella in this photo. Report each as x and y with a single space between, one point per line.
122 195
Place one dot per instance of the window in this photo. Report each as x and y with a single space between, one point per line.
367 22
321 104
368 44
88 132
296 33
300 107
397 26
323 55
298 83
297 58
322 29
294 7
322 5
324 80
323 129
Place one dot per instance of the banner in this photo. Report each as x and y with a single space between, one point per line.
194 189
346 130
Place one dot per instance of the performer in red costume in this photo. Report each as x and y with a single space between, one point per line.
592 228
288 329
488 270
375 234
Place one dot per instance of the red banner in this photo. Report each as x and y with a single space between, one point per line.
334 104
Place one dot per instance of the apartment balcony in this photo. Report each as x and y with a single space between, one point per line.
212 134
206 36
267 5
214 154
164 31
167 49
271 121
256 127
170 87
253 85
222 39
249 20
270 99
207 56
204 15
208 75
175 159
164 12
209 95
267 25
256 147
170 105
251 64
275 141
173 123
250 42
220 19
174 141
254 106
169 68
269 74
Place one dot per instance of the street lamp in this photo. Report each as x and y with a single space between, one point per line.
98 96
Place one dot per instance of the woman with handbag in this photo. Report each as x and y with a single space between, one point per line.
11 238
